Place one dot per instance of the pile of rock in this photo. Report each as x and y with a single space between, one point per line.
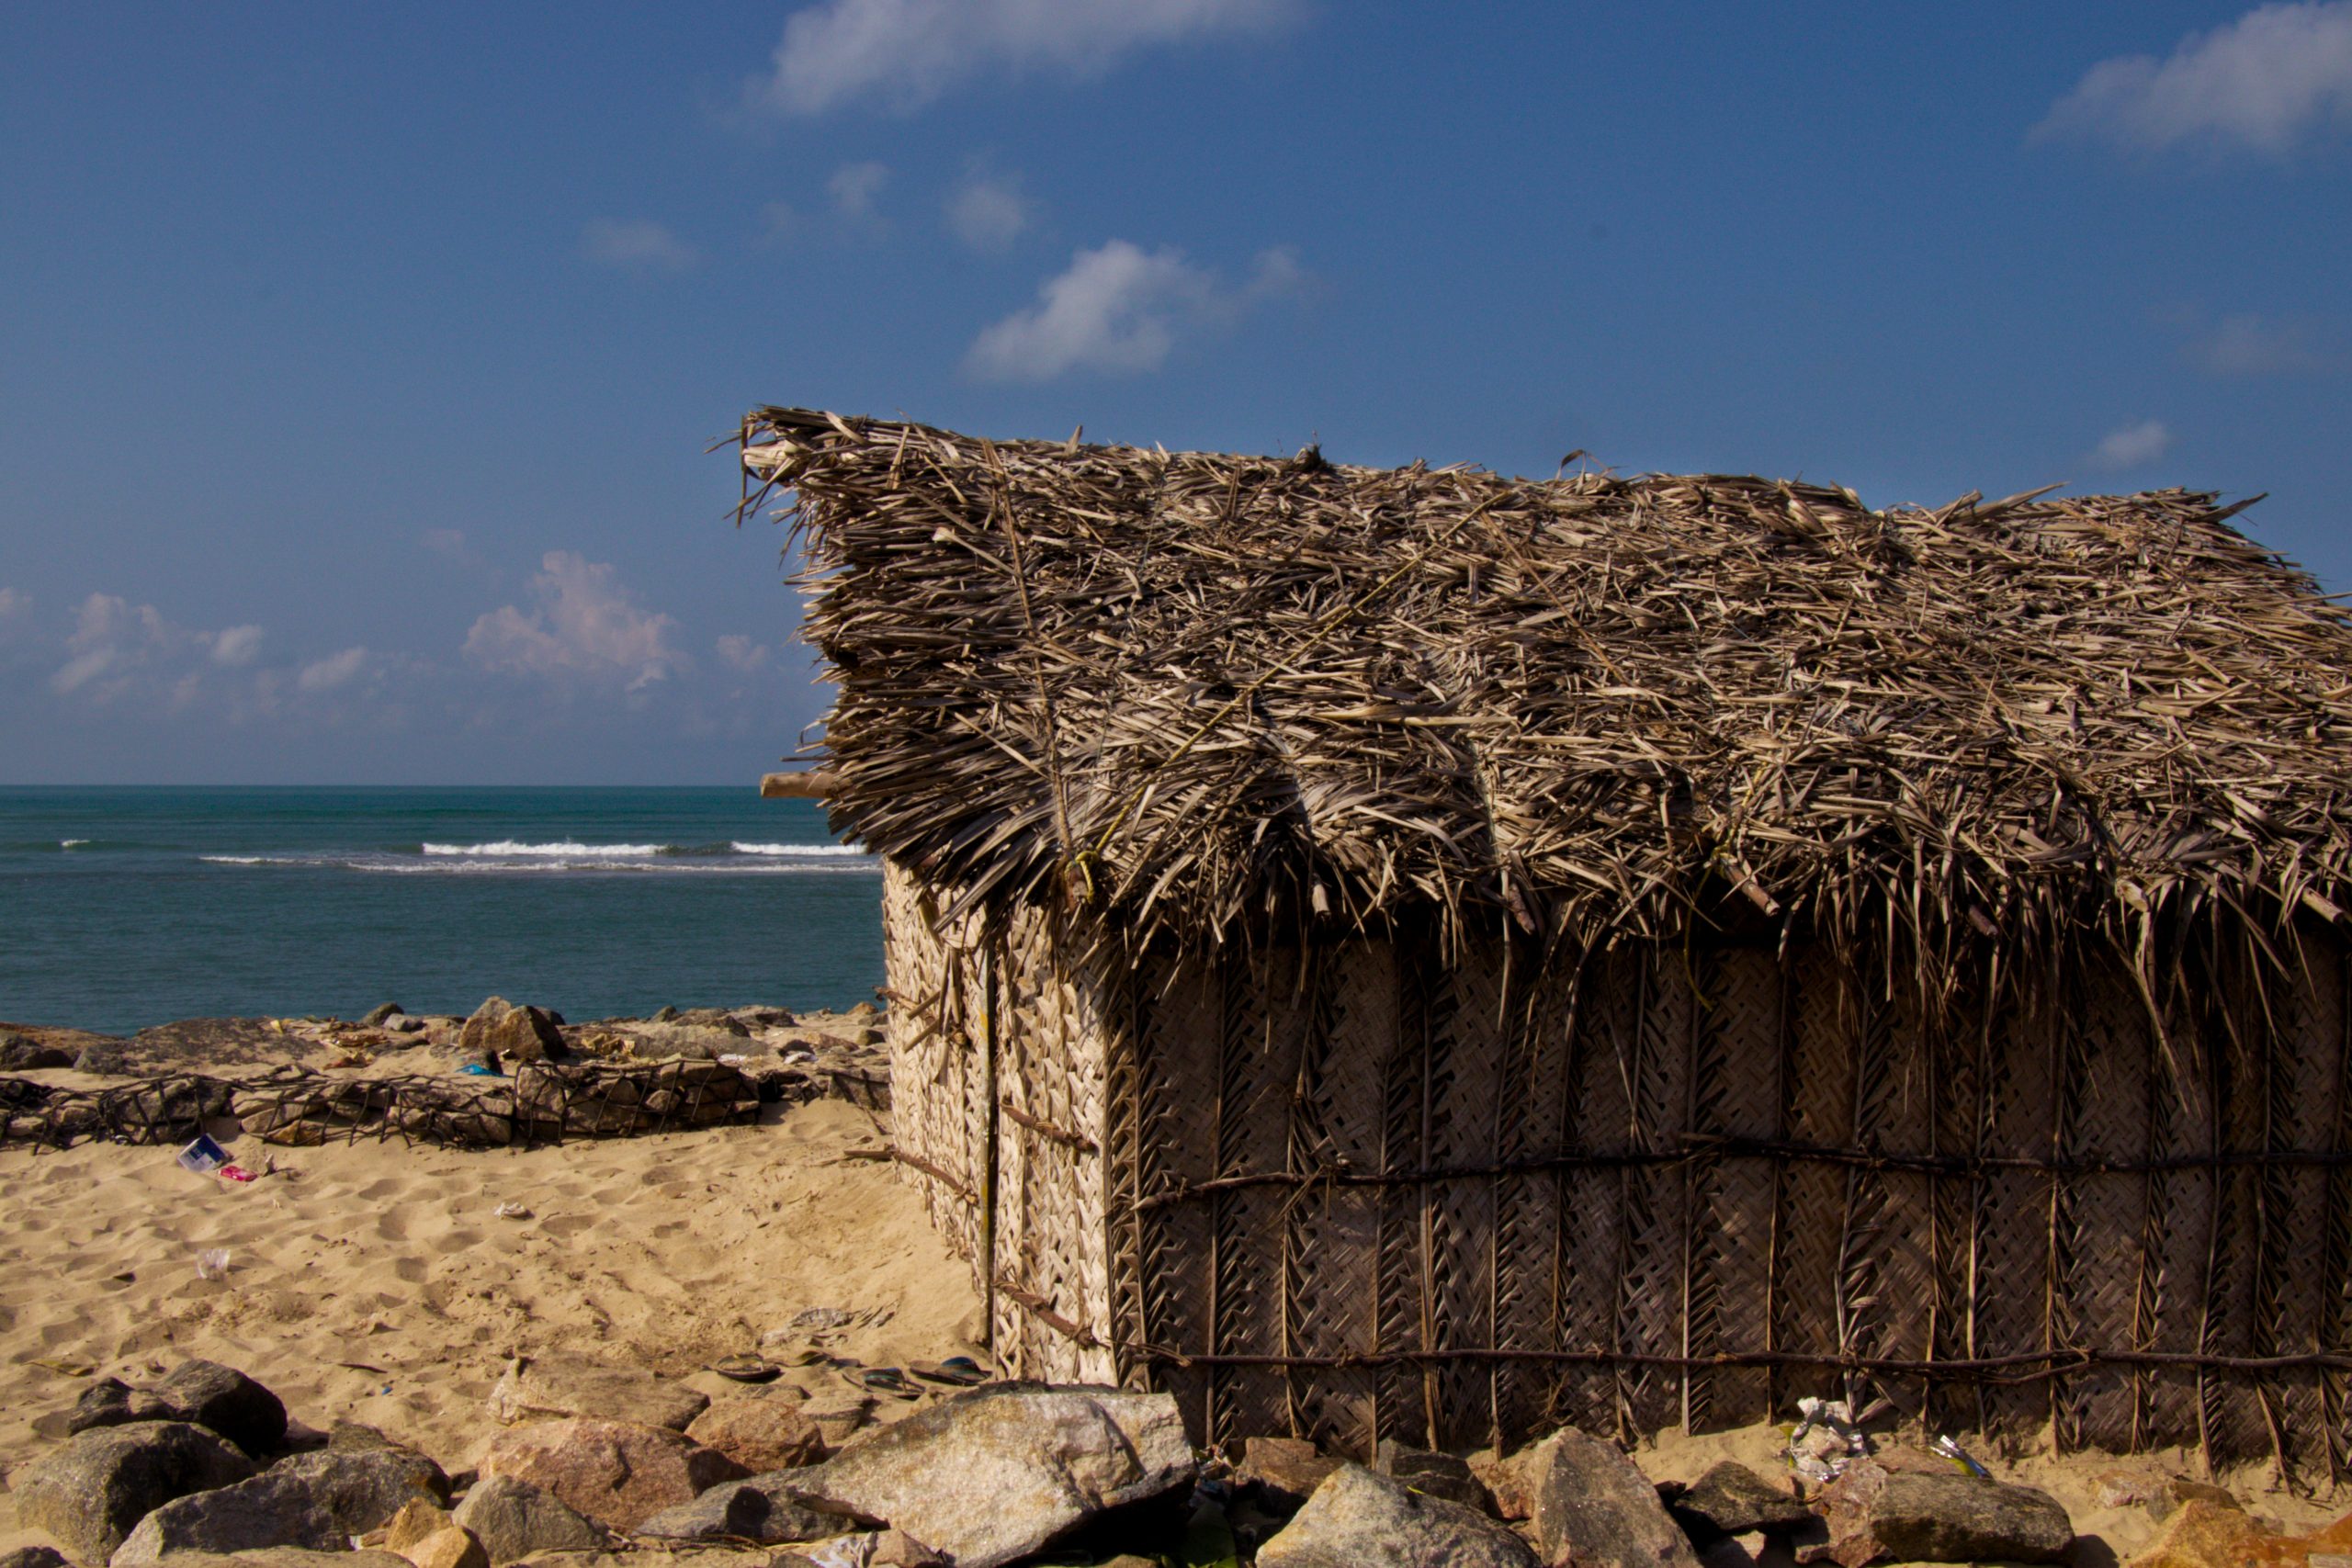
599 1466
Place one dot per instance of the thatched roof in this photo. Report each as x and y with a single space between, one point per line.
1193 687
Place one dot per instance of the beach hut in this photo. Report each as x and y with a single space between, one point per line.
1418 953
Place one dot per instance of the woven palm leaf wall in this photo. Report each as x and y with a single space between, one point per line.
1382 1189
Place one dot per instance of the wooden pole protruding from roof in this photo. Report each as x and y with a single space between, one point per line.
812 784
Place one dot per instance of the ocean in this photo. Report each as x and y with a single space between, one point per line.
125 908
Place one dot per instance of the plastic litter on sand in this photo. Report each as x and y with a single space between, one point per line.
203 1157
212 1263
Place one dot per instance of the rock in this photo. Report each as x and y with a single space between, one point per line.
865 1012
22 1053
110 1402
1505 1479
2174 1490
34 1557
91 1490
270 1509
2199 1535
449 1547
992 1474
1287 1469
761 1509
1357 1519
499 1028
667 1015
1731 1499
362 1487
515 1519
548 1388
227 1401
108 1060
838 1423
1875 1513
382 1013
1432 1474
617 1473
761 1435
288 1557
416 1520
716 1017
400 1024
1593 1504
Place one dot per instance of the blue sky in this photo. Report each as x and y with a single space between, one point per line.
356 366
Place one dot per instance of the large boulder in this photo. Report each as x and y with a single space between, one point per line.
762 1509
617 1473
1357 1519
548 1388
761 1435
449 1547
92 1490
34 1557
227 1401
1431 1473
1731 1499
362 1487
23 1054
1287 1470
110 1402
270 1509
288 1557
994 1474
515 1519
1594 1504
1876 1514
500 1029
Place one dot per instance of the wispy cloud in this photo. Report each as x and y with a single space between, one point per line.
2133 446
1119 309
15 604
639 247
740 654
854 188
2266 82
237 646
906 52
111 642
582 625
2252 344
335 669
988 212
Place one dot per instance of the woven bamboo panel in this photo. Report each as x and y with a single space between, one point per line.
1652 1276
1592 1200
1806 1294
1331 1232
1176 1034
934 1064
1531 1115
2107 1058
1735 1091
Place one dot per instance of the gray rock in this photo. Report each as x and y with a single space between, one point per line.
513 1519
108 1060
110 1402
1594 1504
761 1509
268 1510
91 1490
382 1013
1731 1499
548 1388
1287 1469
288 1557
23 1054
34 1557
994 1475
1357 1519
1912 1516
227 1401
1432 1474
362 1488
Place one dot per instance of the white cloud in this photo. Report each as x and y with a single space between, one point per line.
740 653
110 642
326 674
988 212
583 625
2265 81
639 246
908 51
853 188
237 646
14 601
780 223
2254 345
2134 446
1119 309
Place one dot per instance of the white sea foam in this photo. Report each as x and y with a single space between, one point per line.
71 844
508 849
742 847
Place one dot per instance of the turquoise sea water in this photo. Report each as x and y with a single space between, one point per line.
124 907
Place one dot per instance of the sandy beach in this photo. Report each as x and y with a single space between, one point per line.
376 1284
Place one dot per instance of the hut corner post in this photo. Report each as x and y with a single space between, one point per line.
989 937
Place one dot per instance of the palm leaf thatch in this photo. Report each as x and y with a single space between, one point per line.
1192 689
